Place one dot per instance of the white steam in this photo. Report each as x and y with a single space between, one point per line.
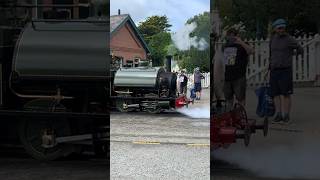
183 41
299 161
196 113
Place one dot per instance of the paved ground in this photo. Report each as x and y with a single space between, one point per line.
15 165
162 146
289 152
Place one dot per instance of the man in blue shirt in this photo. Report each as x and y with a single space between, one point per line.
282 47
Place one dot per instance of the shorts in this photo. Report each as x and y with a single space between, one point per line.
183 89
197 87
281 82
235 87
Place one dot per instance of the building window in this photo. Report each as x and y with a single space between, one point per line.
129 63
136 61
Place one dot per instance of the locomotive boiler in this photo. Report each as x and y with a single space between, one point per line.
54 86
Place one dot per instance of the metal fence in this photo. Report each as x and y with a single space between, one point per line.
306 68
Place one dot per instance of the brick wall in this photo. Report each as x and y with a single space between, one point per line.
125 44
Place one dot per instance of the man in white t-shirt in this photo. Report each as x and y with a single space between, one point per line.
183 81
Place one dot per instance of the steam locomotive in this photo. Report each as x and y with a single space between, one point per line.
145 88
54 95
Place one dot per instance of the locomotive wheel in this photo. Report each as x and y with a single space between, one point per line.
33 132
155 110
120 104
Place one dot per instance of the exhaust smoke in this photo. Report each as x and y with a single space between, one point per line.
183 41
298 161
196 112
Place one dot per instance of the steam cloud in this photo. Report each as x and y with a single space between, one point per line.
299 161
196 113
183 41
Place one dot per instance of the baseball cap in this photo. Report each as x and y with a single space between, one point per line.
279 23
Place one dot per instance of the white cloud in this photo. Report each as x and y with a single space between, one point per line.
178 12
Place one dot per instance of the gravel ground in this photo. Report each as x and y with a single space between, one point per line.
144 162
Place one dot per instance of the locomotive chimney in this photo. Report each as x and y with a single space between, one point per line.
119 12
168 63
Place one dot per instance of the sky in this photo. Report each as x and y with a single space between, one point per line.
177 11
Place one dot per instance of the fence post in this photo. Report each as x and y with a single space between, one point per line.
317 61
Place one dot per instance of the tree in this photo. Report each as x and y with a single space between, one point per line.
159 45
154 25
155 31
194 57
257 15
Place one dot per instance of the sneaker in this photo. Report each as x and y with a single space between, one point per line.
277 119
286 120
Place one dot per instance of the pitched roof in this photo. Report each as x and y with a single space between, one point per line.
118 21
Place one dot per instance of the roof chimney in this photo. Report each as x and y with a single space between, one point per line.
119 12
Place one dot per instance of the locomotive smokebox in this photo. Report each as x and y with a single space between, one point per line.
168 63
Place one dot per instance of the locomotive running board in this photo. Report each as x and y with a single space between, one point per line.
75 139
143 98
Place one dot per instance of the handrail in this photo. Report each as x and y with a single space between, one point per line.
94 21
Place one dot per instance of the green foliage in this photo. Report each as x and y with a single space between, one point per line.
159 44
154 25
155 31
203 26
257 15
194 57
172 50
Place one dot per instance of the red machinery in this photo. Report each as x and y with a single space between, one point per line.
227 127
182 101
